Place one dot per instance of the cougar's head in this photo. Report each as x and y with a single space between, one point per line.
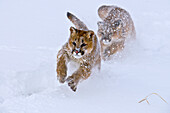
107 32
80 42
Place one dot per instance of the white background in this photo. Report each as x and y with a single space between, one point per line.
32 32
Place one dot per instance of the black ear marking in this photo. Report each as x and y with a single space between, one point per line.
90 35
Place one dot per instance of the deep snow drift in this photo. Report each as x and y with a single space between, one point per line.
31 33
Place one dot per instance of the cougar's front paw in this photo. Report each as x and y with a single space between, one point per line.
72 83
61 79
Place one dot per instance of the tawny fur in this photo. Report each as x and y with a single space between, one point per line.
86 42
116 27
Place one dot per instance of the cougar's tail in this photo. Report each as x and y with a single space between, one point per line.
78 23
104 11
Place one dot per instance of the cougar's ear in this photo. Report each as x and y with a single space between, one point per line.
73 30
117 24
100 24
90 35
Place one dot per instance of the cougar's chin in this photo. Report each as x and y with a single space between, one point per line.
77 55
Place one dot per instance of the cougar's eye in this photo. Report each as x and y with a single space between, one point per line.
102 33
74 43
83 45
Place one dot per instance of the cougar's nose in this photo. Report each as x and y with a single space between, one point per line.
76 51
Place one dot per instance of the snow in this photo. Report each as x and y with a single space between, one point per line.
32 32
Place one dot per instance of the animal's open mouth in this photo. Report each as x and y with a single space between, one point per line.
77 53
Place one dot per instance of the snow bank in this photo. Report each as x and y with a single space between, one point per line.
32 32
